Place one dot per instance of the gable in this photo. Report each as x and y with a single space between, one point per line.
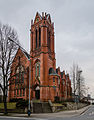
20 54
37 18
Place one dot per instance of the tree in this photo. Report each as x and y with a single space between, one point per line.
81 86
78 81
74 78
7 52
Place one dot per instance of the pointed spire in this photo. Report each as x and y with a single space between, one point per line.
31 22
37 18
42 14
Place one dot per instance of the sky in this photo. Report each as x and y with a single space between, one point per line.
74 30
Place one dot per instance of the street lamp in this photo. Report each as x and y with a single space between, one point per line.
29 112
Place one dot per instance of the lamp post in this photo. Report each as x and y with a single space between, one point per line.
29 112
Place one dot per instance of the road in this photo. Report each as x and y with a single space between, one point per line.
87 115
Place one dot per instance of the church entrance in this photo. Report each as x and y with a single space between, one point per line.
37 92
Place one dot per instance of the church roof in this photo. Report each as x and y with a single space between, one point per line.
25 53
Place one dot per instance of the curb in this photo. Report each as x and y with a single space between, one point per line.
85 110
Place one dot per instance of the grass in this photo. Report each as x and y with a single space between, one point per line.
36 101
9 105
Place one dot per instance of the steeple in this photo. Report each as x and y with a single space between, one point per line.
42 33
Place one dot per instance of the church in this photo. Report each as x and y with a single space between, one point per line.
46 81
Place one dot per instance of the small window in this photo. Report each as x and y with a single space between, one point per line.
23 91
20 92
39 37
49 35
19 76
17 92
37 67
36 38
54 80
16 79
14 93
22 77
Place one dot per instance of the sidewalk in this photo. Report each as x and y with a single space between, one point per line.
58 114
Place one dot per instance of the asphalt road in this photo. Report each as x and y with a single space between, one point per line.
88 115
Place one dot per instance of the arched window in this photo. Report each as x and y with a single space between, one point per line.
39 37
36 38
49 41
19 75
54 80
37 67
52 71
20 92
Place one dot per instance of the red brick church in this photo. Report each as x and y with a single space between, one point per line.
46 82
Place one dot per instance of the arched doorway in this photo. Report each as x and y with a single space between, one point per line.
37 92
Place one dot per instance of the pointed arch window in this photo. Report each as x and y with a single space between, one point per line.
37 67
36 38
20 92
19 74
39 37
49 41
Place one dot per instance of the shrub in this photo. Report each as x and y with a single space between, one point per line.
86 102
16 99
65 104
57 99
22 104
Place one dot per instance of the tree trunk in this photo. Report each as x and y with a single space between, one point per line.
5 104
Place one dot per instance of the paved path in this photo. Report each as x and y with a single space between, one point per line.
87 114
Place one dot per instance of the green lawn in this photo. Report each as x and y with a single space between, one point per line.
9 105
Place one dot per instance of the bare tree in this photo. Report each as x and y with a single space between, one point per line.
7 52
82 90
74 78
78 81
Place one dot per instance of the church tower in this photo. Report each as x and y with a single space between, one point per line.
42 55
